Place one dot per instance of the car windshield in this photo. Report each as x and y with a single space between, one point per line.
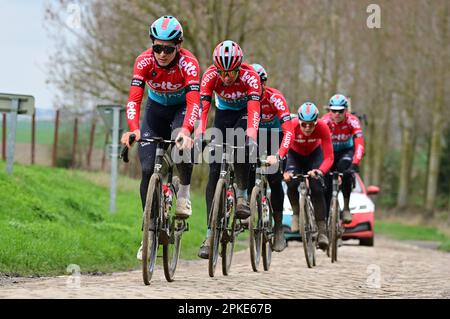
358 187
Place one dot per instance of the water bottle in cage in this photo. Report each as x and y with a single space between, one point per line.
265 210
167 198
230 201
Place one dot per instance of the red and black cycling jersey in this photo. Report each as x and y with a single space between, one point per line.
305 145
346 135
173 85
275 114
243 93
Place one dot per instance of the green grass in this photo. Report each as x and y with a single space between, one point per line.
401 231
50 218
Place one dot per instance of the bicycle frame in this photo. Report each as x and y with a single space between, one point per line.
158 226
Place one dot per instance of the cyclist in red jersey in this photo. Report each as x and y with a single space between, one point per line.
172 75
237 89
276 125
348 146
311 153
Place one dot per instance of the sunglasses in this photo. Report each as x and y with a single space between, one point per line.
338 111
308 124
230 74
167 49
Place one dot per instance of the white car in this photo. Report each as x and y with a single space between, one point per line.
361 207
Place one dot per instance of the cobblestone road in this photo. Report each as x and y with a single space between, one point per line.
391 269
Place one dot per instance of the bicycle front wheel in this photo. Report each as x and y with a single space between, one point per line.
229 223
216 225
171 249
255 227
306 232
267 238
334 228
151 228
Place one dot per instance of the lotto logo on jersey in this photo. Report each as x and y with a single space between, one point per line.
165 85
341 137
143 63
250 79
131 110
208 77
277 102
233 96
303 140
188 67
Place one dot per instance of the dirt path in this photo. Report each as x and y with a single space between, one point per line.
391 269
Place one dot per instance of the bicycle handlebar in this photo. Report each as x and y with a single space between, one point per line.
210 143
297 176
132 139
124 152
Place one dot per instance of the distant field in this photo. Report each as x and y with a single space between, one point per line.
45 132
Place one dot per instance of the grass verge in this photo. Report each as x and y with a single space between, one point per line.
51 218
404 231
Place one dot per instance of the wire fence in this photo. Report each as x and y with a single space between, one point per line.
61 138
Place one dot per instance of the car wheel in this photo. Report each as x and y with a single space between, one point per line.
366 241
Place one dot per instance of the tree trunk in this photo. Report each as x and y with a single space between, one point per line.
433 164
406 164
408 125
438 120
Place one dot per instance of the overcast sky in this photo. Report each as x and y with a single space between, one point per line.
24 48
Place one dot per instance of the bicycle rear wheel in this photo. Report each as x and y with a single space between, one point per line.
306 232
151 228
255 227
267 238
228 230
216 225
171 249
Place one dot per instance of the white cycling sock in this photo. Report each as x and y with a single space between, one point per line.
183 191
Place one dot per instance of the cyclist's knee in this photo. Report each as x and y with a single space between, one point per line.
343 165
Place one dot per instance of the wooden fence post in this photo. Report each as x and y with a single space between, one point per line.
33 137
91 143
55 138
75 142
